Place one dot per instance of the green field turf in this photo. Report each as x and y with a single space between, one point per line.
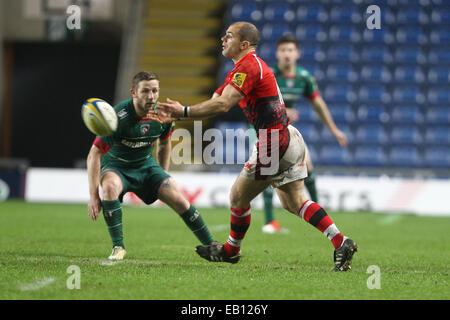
40 241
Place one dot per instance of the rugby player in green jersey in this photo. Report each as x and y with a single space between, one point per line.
295 82
123 162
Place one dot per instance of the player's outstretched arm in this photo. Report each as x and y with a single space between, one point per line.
93 170
320 107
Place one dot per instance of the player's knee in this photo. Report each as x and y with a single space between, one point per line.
111 190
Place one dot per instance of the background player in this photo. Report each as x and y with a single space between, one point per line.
123 162
294 82
252 84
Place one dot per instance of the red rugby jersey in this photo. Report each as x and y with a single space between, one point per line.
262 105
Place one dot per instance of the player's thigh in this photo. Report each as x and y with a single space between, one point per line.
169 192
291 195
111 184
244 190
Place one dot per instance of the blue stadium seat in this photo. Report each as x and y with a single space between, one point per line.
405 157
273 31
438 135
405 135
439 95
374 93
408 94
312 152
246 11
378 36
344 33
342 53
411 35
280 11
413 16
309 131
334 155
437 115
231 147
313 68
370 156
440 36
441 15
327 137
310 32
376 54
412 74
375 73
440 74
311 51
267 51
339 93
341 72
409 54
409 114
306 113
345 13
370 134
341 113
372 113
311 13
439 55
437 157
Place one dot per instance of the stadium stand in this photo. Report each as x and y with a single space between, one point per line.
387 88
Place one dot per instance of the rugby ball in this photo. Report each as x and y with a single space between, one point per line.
99 117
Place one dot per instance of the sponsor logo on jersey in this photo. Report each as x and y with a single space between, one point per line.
238 79
145 128
122 114
134 144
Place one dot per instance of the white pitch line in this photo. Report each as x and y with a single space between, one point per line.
36 285
219 227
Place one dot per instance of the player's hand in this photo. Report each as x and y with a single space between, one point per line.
94 207
341 138
160 115
292 115
167 111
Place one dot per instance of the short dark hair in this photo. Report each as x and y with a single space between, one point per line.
248 32
288 38
144 76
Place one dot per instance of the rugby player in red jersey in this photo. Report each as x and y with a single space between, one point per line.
278 158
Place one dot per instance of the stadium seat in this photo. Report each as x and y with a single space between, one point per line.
342 53
341 72
370 156
439 95
409 114
341 113
411 74
372 113
409 54
405 135
339 93
334 155
307 113
313 13
278 11
411 35
370 133
405 157
441 15
374 93
376 54
311 52
308 131
375 73
408 94
246 11
343 13
273 31
327 137
344 33
437 157
438 135
310 32
266 51
437 115
439 55
412 16
378 36
440 36
313 68
232 147
440 74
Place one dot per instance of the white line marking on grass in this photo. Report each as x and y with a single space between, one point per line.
109 263
219 227
36 285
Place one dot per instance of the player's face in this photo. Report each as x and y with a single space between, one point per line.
287 54
231 43
146 95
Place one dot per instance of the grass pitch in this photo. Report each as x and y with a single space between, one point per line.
39 242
